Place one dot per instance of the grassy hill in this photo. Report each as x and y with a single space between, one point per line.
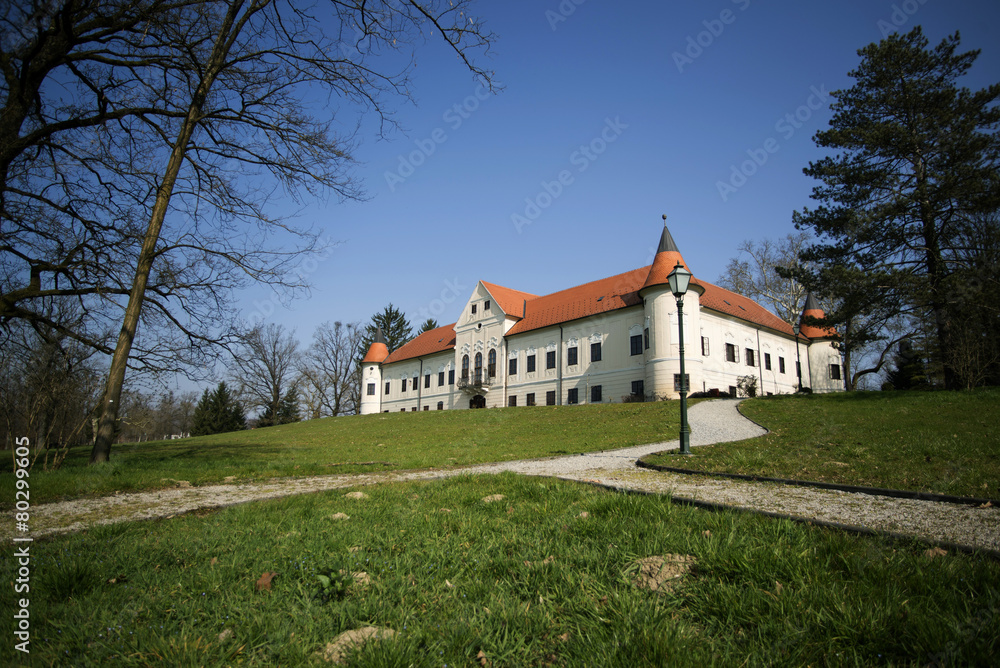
943 442
357 444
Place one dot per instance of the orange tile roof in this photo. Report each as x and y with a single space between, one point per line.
663 264
744 308
608 294
376 353
430 342
589 299
511 302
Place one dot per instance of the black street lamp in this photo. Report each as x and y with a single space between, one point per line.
679 279
798 360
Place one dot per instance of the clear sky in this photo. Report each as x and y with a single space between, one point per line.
612 114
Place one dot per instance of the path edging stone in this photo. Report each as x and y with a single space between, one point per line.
854 489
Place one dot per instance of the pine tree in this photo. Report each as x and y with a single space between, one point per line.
217 412
395 328
916 157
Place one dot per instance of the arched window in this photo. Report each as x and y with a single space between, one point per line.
492 368
465 367
479 367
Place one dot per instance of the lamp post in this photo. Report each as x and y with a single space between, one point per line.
678 280
798 360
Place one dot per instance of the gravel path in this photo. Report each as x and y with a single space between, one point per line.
711 422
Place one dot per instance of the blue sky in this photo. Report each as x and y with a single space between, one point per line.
612 114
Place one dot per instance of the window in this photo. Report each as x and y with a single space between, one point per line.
531 363
798 369
635 344
451 376
387 387
492 367
427 408
550 398
704 346
413 410
645 338
427 381
750 357
440 378
529 400
512 401
465 367
473 309
512 367
402 410
677 382
781 365
730 352
479 367
638 388
571 356
550 359
371 389
835 371
573 396
595 352
403 385
732 390
440 405
486 307
416 382
767 361
595 394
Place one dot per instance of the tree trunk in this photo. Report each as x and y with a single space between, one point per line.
119 361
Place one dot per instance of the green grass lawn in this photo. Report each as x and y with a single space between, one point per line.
543 577
358 444
944 442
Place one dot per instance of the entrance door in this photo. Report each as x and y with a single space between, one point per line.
478 401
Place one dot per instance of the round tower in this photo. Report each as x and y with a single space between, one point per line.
662 356
821 354
371 375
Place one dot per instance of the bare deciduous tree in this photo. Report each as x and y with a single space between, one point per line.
327 370
140 144
754 274
265 364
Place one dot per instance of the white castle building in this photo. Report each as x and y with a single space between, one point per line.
597 343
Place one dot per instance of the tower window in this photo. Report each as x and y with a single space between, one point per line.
635 344
371 389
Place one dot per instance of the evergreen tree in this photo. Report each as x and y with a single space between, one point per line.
916 157
395 328
428 325
217 412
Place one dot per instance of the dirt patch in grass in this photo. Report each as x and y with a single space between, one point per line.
661 574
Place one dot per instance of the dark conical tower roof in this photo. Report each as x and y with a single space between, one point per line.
667 257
